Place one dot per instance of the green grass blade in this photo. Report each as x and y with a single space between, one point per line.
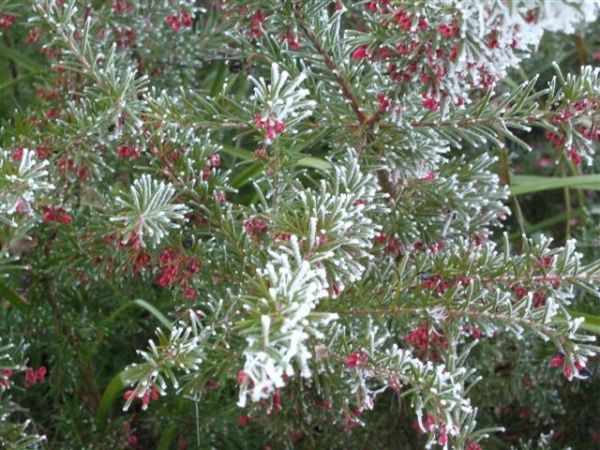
145 305
20 58
114 388
528 184
591 323
13 298
15 81
155 312
314 163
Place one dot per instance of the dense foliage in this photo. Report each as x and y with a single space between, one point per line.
312 224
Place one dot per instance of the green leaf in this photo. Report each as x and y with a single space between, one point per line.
166 438
114 388
244 155
527 184
155 312
145 305
591 323
246 175
314 163
13 298
21 59
15 81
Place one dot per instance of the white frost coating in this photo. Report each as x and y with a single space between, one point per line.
266 325
280 101
517 26
148 211
296 289
23 182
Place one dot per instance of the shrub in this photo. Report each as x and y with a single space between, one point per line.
268 224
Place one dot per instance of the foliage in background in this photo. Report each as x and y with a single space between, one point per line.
243 224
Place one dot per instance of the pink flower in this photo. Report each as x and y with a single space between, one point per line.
214 160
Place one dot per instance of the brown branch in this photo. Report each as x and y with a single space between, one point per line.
330 63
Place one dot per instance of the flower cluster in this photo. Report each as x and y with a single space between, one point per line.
6 20
452 47
282 105
145 397
5 375
176 21
427 340
177 270
33 377
580 371
52 214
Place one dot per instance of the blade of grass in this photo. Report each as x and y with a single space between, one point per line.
13 298
15 81
145 305
528 184
114 388
591 323
21 59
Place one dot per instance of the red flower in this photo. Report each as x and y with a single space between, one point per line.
6 20
5 375
360 53
34 33
356 360
574 156
186 19
174 22
530 16
383 103
448 31
52 214
255 227
244 420
558 360
473 446
125 151
292 41
430 104
18 154
33 377
277 401
120 6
